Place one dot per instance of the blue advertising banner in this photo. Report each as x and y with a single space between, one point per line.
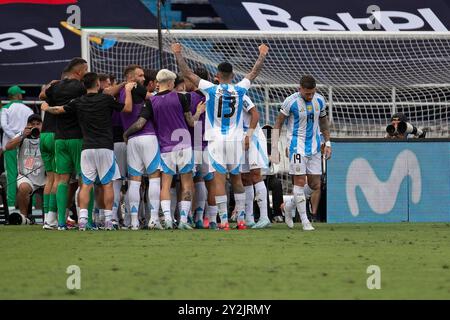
330 15
389 182
39 37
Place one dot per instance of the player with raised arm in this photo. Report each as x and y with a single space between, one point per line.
94 112
307 118
255 159
224 128
143 157
170 113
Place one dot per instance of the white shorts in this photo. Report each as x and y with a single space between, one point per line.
120 151
300 165
22 179
225 156
202 165
256 156
99 165
177 162
143 155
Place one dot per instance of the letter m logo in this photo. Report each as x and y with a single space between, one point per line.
382 196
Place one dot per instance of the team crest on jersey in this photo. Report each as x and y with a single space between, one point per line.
309 108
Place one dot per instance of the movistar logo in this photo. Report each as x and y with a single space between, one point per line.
382 195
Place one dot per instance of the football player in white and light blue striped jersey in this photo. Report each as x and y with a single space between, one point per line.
306 116
223 128
303 132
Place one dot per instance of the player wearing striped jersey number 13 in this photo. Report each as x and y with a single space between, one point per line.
307 118
224 127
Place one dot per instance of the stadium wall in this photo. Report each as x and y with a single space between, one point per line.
379 181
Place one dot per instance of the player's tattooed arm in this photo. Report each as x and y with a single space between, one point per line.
135 127
275 153
55 110
182 64
325 129
190 118
263 50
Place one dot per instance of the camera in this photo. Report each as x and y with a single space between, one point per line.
390 129
408 128
35 133
405 128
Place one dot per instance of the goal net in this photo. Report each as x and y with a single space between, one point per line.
365 77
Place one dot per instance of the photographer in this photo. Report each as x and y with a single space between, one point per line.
31 174
400 128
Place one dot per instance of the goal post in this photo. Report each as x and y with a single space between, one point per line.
364 76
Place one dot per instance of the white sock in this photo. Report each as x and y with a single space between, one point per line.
173 202
83 215
239 198
117 185
201 194
134 220
261 199
108 215
134 198
154 190
165 207
300 201
249 197
221 202
51 217
289 205
211 212
184 208
308 191
101 215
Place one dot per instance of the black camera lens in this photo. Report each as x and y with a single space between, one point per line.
402 127
35 133
390 129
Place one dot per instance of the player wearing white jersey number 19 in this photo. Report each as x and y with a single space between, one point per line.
307 118
255 159
223 128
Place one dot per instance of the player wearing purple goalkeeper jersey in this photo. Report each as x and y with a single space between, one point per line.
170 114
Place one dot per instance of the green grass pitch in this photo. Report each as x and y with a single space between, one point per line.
276 263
